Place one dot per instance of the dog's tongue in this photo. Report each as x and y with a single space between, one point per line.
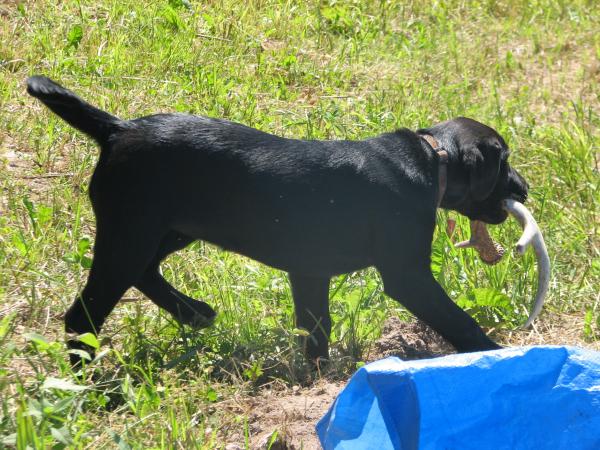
489 251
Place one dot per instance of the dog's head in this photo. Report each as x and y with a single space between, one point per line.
479 176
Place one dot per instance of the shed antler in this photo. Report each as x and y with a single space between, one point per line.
491 252
532 236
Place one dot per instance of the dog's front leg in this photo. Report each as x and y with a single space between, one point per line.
311 301
420 293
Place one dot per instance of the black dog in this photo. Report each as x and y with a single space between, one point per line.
312 208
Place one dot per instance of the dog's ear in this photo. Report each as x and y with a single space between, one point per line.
482 160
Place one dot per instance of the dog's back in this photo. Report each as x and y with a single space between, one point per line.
204 177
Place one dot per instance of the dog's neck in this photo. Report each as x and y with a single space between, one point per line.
442 165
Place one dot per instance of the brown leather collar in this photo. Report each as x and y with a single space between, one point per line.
442 165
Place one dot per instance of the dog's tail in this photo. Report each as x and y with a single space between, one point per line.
76 112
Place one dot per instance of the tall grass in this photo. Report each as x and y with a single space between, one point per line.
327 69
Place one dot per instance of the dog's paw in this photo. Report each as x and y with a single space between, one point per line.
198 321
196 314
80 354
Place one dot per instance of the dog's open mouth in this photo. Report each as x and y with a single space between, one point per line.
491 252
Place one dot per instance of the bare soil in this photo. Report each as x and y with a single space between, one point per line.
292 413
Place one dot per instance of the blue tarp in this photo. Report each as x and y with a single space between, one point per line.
518 398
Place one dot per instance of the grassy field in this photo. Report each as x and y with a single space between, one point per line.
319 69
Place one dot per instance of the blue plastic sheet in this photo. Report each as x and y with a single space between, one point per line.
518 398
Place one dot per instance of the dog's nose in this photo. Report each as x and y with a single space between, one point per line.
517 187
521 197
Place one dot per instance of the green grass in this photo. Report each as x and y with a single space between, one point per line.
346 69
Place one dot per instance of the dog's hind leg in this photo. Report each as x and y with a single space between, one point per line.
184 309
121 255
311 301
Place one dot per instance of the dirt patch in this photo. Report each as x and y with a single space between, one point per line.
554 76
408 341
292 413
552 329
